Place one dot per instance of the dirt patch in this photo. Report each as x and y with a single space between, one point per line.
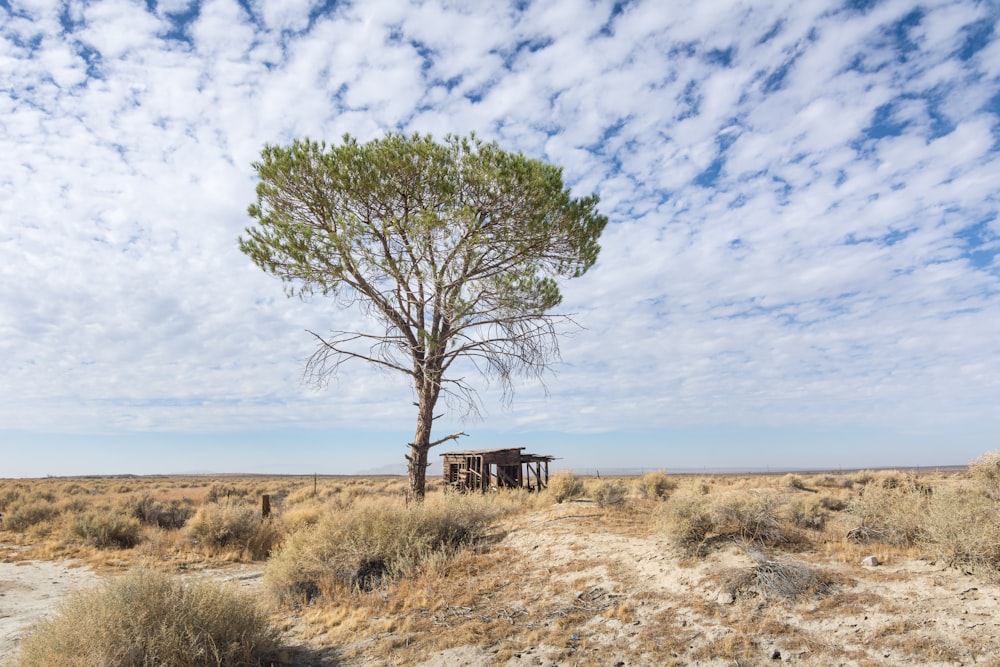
30 591
581 586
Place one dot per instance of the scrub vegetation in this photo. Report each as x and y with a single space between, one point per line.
657 569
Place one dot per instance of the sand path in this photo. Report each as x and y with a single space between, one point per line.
31 590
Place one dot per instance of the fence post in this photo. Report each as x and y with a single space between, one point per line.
265 506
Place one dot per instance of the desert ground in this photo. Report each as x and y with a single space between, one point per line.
828 569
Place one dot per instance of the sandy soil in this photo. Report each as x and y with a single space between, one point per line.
30 590
905 612
678 609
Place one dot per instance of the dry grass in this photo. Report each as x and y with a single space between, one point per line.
770 578
391 585
146 618
222 528
360 546
889 509
655 485
565 486
610 493
686 520
985 472
962 529
106 528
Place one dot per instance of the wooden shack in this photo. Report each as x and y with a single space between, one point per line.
485 469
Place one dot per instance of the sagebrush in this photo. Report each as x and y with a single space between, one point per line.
147 618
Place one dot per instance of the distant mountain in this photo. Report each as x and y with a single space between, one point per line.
387 469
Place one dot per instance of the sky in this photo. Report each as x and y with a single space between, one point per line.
800 267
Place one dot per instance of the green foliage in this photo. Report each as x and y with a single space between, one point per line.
325 212
147 618
452 250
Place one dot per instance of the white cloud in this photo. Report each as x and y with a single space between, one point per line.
789 240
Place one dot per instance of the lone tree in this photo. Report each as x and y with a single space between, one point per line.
450 250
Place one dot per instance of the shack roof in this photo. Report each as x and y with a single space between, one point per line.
480 452
532 458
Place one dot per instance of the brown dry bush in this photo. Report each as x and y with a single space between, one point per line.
793 481
228 492
168 514
565 486
752 516
963 530
806 512
655 485
12 493
106 528
147 618
771 578
889 510
610 493
985 471
374 540
30 512
685 519
234 528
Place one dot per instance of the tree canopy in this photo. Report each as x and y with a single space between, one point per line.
452 250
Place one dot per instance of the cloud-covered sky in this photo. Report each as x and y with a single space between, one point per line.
800 269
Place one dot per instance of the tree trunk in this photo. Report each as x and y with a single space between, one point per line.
418 471
421 444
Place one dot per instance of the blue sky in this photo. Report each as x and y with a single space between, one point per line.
800 269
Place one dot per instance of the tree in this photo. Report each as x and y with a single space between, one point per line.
451 250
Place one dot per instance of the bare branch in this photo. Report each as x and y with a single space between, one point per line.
453 436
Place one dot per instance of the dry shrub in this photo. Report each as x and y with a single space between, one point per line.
685 519
963 530
9 496
985 470
793 482
106 528
307 494
228 527
374 540
891 513
752 516
770 579
302 516
219 491
610 493
30 513
833 503
147 618
170 515
806 512
74 505
832 481
655 485
565 486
